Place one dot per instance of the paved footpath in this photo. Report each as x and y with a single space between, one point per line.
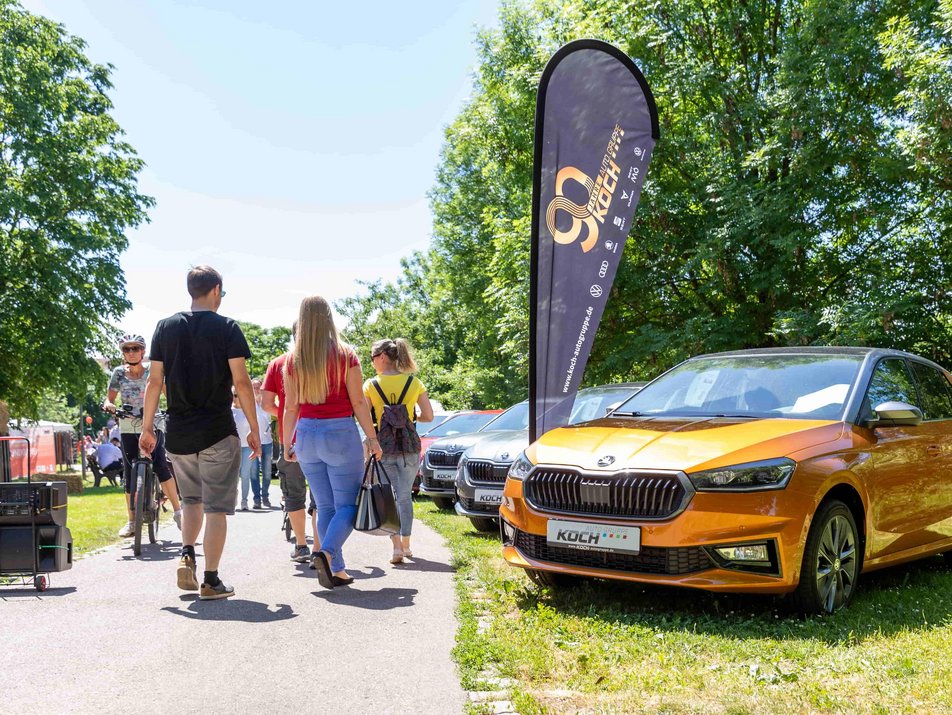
115 635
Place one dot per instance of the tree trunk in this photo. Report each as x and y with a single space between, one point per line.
4 419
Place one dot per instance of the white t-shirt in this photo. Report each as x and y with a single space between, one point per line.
107 454
264 425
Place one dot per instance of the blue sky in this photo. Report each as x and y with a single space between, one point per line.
290 145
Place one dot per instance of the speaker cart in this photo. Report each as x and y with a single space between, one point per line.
34 540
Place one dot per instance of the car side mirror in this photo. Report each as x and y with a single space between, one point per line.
896 414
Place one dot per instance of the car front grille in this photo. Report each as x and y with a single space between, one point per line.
626 494
473 505
439 458
651 560
481 470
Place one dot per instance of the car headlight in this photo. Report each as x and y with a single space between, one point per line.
461 467
752 476
521 467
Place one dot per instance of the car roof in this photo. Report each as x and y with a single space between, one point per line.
809 350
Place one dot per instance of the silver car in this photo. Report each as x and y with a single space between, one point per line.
438 467
483 466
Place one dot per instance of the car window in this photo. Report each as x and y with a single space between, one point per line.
891 382
516 417
461 424
935 400
590 405
796 386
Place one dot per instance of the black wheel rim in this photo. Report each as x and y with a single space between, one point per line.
837 564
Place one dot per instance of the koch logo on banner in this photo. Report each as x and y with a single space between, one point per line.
596 125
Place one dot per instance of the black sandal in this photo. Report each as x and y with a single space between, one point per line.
323 568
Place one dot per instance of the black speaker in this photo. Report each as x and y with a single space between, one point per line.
18 498
54 548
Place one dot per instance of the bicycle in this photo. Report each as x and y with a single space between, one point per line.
147 497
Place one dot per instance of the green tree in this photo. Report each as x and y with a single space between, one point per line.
265 344
68 195
798 194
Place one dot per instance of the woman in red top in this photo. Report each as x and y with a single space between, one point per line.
323 395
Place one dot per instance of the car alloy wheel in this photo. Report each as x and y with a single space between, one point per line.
831 561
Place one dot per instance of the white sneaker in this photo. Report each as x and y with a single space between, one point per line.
127 530
177 516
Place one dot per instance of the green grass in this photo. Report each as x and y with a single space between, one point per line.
614 647
95 516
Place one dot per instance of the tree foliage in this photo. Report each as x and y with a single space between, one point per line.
265 345
68 195
798 194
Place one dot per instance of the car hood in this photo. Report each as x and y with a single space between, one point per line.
503 446
678 443
457 442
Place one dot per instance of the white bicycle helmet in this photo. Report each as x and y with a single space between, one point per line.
132 339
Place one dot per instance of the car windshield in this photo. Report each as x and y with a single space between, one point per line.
785 385
460 424
594 403
516 417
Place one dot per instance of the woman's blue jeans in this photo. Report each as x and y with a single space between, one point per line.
332 459
402 470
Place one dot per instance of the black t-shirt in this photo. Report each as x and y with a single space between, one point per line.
194 349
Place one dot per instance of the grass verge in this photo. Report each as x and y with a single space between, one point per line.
608 647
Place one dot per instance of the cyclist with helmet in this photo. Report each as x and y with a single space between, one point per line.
128 381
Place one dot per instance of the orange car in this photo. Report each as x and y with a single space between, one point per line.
774 471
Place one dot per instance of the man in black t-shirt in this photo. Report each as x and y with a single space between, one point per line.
198 355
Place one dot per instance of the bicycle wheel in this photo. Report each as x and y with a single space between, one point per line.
155 494
140 474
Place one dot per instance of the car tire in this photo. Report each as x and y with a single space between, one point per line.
445 503
832 560
484 524
551 579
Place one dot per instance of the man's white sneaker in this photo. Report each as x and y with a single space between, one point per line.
127 530
177 516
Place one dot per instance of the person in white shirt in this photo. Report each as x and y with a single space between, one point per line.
267 446
250 468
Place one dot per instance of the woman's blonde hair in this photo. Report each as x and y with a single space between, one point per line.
398 351
316 365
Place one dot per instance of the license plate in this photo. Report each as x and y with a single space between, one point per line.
489 496
594 537
444 475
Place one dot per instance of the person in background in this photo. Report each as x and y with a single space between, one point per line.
197 355
264 464
106 462
395 383
293 483
128 382
244 466
323 383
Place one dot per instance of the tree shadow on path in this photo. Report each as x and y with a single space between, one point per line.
233 610
383 600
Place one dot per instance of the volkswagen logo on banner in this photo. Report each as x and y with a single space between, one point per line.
606 460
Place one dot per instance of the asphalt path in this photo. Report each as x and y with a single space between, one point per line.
115 635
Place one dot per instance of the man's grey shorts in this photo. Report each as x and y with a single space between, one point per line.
210 477
293 484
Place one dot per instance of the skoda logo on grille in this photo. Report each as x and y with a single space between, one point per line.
504 456
606 460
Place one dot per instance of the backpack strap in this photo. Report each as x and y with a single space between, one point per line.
383 396
406 389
